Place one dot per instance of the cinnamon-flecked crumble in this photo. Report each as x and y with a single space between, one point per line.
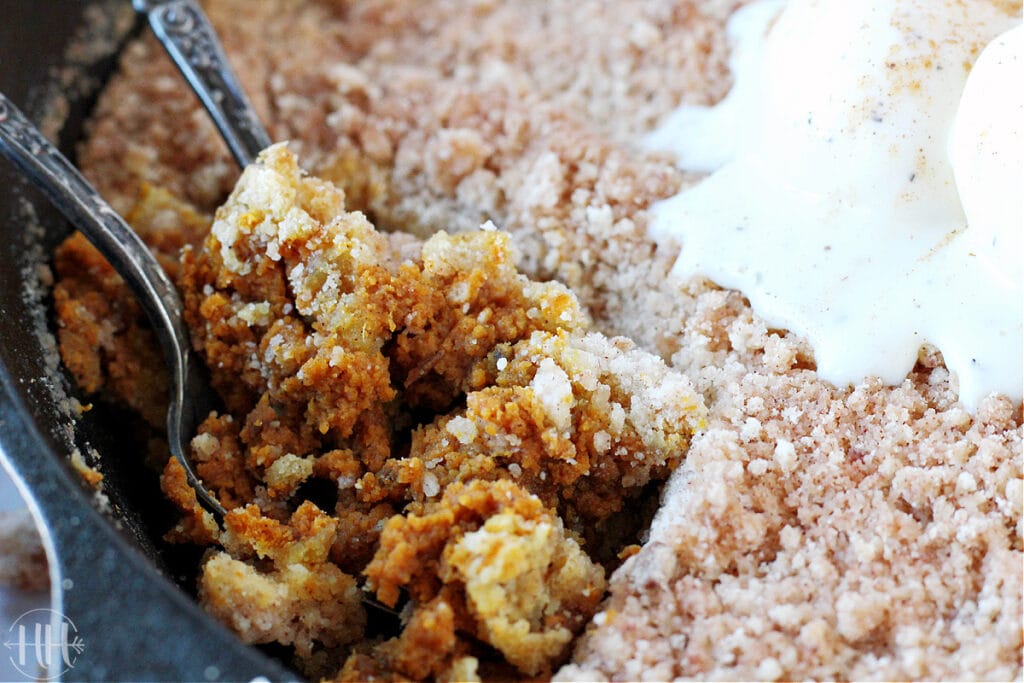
330 342
487 431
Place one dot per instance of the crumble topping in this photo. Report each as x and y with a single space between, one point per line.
332 350
809 531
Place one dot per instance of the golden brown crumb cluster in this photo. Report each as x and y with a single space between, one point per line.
327 347
300 598
104 339
813 531
491 560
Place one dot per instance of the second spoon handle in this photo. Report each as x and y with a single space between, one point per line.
51 172
190 40
27 148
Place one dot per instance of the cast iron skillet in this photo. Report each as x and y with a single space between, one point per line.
109 577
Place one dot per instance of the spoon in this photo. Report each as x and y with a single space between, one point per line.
30 151
190 40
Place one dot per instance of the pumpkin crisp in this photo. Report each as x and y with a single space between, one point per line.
476 436
808 532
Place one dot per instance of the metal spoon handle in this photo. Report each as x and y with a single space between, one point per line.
190 40
29 150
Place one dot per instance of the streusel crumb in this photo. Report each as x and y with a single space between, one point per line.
439 394
810 531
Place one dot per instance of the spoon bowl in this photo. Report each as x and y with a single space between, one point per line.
29 150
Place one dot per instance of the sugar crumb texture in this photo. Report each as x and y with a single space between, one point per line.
804 531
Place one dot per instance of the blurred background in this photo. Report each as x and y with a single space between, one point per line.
19 549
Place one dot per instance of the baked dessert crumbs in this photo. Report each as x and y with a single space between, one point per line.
806 531
327 346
